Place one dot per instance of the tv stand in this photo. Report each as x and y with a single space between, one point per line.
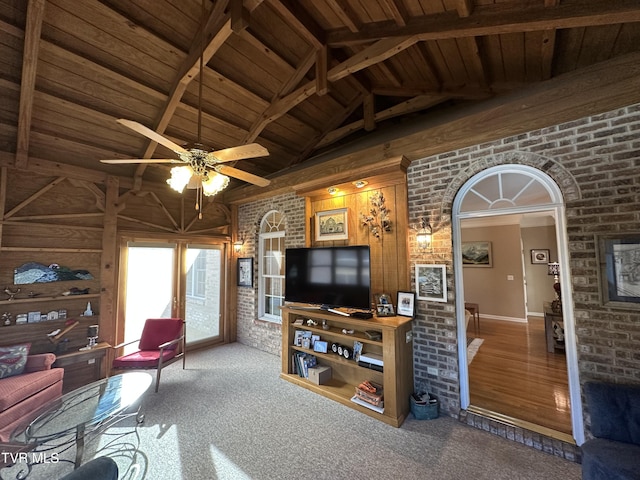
395 346
305 307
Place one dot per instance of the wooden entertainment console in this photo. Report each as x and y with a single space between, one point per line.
396 348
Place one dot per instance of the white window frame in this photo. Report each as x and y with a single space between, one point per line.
263 238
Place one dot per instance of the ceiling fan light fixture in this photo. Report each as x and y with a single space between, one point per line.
180 177
213 182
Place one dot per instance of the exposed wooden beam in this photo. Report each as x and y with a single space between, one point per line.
346 14
47 167
239 16
217 29
336 121
35 14
396 10
595 89
322 61
377 52
408 106
464 7
486 21
300 20
368 112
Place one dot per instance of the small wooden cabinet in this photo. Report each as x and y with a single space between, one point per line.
82 367
551 318
396 348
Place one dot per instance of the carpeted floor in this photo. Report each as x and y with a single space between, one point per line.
230 416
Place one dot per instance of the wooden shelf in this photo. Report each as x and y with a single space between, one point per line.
397 378
48 299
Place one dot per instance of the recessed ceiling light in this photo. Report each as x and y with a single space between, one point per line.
360 183
332 190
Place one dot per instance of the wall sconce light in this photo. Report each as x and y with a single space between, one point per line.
360 183
332 190
238 244
424 235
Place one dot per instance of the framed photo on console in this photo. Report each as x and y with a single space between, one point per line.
245 272
406 304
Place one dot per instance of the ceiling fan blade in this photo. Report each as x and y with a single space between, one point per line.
147 132
242 175
141 160
250 150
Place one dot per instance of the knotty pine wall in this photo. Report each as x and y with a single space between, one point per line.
389 253
78 223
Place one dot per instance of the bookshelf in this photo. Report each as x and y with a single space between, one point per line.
396 348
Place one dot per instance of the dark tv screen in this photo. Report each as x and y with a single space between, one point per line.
329 276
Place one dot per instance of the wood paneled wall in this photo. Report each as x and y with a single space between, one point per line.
78 224
389 252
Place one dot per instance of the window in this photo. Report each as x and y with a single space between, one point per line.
271 267
196 276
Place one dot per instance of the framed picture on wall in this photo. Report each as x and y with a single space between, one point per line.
619 270
539 256
332 225
431 282
245 272
476 254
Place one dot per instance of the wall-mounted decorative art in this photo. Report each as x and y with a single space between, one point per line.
33 272
245 272
540 255
619 260
476 254
431 282
332 225
377 219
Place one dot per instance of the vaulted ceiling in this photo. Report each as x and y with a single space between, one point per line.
300 77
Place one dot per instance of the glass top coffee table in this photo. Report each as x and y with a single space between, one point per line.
86 411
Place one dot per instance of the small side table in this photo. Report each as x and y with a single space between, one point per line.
474 310
82 366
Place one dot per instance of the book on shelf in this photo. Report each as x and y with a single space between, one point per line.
372 366
373 358
304 361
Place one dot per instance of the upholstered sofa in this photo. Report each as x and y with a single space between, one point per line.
23 393
614 452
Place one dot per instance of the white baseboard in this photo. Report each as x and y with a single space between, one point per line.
505 319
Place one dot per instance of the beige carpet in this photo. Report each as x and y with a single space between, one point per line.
229 416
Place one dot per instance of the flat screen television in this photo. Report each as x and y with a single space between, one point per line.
329 277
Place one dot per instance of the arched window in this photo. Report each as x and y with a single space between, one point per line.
271 267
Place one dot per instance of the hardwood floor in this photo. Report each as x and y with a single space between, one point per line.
512 374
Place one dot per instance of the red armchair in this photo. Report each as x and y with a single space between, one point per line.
162 343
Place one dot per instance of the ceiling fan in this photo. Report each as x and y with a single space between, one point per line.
197 165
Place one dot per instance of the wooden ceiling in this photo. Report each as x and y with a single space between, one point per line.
300 77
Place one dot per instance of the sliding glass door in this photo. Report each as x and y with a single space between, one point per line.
174 280
150 285
202 305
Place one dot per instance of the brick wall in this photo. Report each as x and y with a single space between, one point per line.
596 163
252 331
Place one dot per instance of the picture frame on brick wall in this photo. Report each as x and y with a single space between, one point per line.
245 272
431 282
619 270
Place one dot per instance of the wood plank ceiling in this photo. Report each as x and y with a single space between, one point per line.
297 76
